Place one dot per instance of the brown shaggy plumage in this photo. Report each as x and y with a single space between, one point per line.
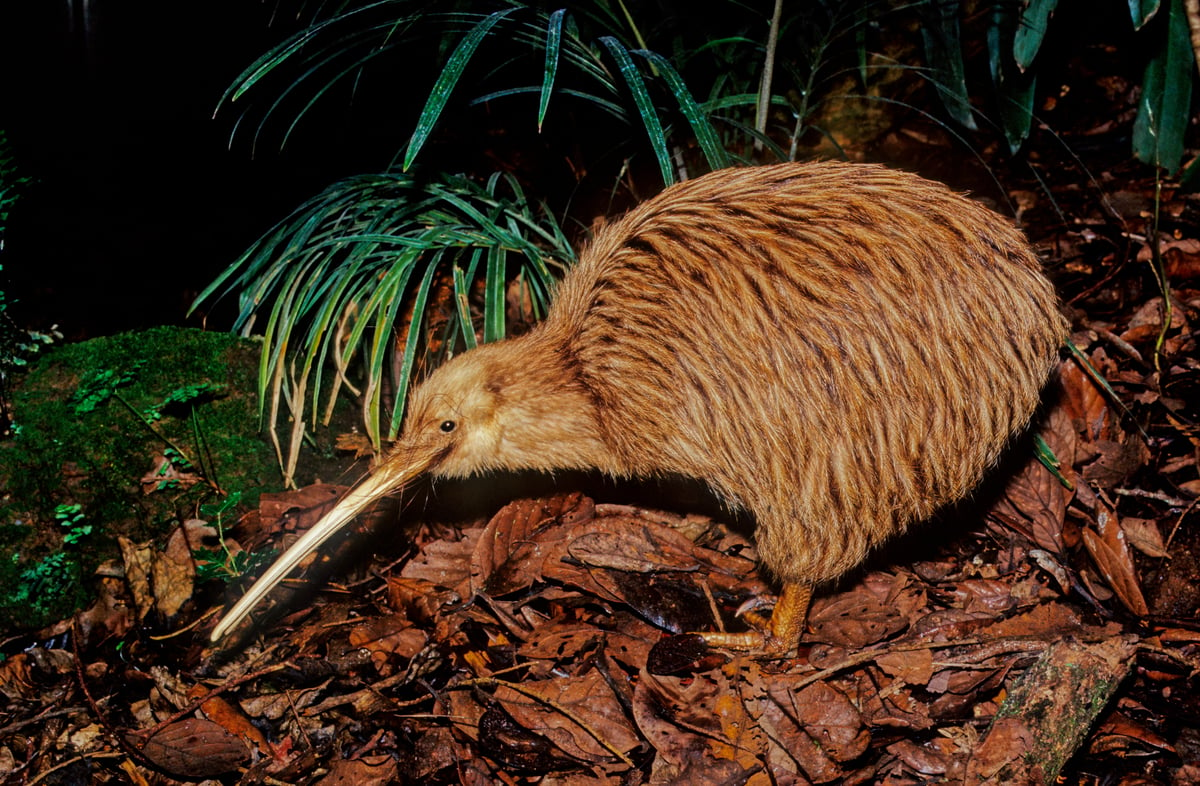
838 349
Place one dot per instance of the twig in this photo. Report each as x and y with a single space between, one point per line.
1174 502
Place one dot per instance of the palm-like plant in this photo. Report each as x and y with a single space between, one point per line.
354 271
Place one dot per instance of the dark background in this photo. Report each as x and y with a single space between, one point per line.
137 200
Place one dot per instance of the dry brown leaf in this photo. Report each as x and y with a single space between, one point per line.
854 619
1044 621
580 715
678 716
508 555
174 570
986 595
830 732
949 624
1035 501
231 717
1146 322
1110 551
387 636
195 748
924 759
366 771
1123 736
1085 404
1145 536
913 667
16 682
446 563
139 565
747 742
1116 461
985 677
629 642
111 614
787 745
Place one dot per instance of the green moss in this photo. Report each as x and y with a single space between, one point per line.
87 448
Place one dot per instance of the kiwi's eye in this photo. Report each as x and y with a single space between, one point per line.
447 426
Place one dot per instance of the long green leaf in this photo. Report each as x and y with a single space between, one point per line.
1164 108
461 294
706 135
1014 88
446 81
943 48
553 49
412 341
1031 31
1142 11
493 295
641 98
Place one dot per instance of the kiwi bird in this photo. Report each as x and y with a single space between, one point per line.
837 349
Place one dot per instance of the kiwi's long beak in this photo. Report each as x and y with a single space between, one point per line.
391 476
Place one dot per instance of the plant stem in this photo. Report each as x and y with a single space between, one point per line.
768 75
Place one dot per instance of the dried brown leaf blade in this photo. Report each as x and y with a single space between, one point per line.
580 715
1110 551
195 747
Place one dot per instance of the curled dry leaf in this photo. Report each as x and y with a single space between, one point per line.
987 595
446 563
680 718
509 553
1144 535
366 771
925 759
139 565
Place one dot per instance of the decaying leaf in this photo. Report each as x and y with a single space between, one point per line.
195 748
1110 551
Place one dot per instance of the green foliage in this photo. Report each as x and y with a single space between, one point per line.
1164 110
221 563
36 594
11 183
71 516
360 264
336 50
73 472
1014 37
102 385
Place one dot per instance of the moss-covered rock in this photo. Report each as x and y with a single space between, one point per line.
77 441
